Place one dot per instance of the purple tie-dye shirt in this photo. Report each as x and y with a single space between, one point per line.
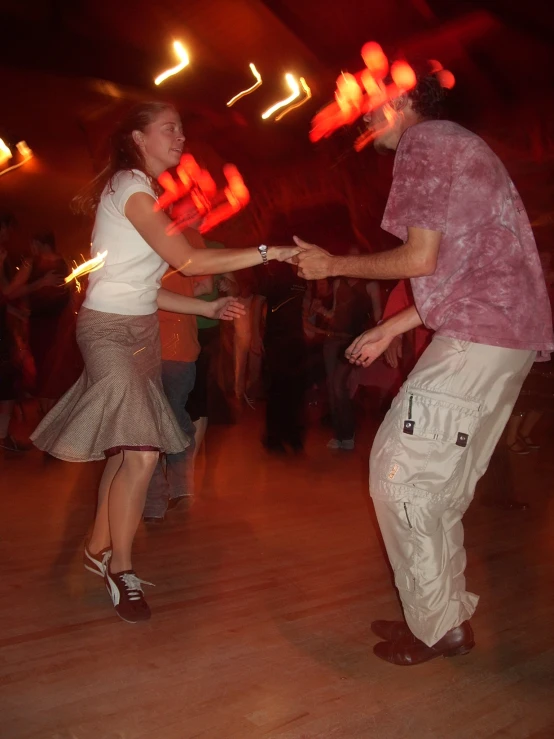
488 286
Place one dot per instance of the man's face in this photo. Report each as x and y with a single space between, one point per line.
387 123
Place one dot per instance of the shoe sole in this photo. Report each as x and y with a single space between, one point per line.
128 621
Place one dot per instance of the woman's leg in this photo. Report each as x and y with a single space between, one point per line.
121 498
100 538
126 503
201 426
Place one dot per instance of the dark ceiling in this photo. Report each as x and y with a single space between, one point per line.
489 45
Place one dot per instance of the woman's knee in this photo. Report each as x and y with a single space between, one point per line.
143 462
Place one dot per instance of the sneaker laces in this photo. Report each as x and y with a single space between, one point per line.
133 585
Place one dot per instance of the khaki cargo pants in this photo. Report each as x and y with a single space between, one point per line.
433 446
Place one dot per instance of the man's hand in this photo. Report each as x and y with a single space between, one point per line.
394 352
366 348
314 263
224 285
226 309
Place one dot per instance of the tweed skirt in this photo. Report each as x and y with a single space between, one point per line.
118 402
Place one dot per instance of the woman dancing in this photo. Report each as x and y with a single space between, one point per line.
117 409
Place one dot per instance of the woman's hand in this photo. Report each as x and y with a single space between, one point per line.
283 253
226 309
368 346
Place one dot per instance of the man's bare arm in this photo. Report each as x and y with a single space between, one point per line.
416 258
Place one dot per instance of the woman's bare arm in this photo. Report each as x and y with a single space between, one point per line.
175 249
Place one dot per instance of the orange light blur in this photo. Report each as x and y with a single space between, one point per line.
446 78
24 150
236 184
403 75
434 66
307 96
348 93
255 86
375 59
295 88
91 265
183 62
195 198
360 94
5 152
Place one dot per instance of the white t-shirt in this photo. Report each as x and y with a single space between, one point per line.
128 282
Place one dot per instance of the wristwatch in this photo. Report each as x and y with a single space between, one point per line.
263 251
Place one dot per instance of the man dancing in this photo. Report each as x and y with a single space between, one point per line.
477 282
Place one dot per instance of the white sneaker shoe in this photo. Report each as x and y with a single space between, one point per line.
347 444
334 444
97 563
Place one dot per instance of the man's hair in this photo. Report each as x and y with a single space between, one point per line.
428 96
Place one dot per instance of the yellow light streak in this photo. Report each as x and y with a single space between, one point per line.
183 62
91 265
255 86
6 155
5 152
24 150
293 84
307 96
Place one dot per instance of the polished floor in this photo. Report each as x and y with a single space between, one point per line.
265 589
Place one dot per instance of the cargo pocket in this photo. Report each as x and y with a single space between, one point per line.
435 432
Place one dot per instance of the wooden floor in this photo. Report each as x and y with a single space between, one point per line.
265 590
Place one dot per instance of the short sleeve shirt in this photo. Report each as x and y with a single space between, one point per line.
128 282
488 286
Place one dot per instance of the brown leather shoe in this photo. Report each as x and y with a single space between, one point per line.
391 630
412 651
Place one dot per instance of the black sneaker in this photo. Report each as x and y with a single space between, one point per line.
97 563
127 596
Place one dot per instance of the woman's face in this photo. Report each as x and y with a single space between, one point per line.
161 143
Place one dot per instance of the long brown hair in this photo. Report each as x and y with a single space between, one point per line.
124 155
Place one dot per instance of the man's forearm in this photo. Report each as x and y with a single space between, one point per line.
394 264
402 322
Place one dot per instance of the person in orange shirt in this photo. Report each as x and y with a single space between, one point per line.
180 350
